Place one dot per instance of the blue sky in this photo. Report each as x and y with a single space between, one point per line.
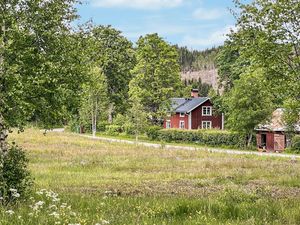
198 24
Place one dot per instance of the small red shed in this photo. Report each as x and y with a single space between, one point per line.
271 137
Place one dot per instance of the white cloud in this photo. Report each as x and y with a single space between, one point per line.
208 14
214 39
138 4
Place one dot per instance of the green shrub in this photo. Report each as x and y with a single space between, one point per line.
296 143
120 120
15 179
101 126
204 137
113 129
128 128
153 132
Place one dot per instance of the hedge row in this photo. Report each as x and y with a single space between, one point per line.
204 137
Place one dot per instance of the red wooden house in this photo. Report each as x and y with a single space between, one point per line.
193 113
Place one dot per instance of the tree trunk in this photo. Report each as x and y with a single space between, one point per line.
3 128
249 139
136 138
110 112
3 136
94 125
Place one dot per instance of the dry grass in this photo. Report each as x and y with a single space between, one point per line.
126 184
64 161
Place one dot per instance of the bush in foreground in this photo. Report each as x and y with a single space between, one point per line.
15 178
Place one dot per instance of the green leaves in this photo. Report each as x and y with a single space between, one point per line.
156 75
250 102
266 40
114 54
94 99
40 62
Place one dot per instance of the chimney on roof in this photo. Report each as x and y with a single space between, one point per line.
195 93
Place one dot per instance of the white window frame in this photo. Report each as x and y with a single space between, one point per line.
205 109
180 124
168 124
206 124
182 114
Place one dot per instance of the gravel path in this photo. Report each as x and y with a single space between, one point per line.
208 149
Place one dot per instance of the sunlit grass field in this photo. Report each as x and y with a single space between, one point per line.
126 184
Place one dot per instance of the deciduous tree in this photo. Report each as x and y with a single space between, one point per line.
157 75
249 103
94 99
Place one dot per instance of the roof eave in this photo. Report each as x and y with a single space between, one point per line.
198 105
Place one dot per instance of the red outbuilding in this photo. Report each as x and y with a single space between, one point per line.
193 113
271 137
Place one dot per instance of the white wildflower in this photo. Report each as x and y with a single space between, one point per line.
10 212
63 205
54 214
16 195
103 222
55 200
52 207
13 190
40 203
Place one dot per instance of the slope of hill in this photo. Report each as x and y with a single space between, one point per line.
199 64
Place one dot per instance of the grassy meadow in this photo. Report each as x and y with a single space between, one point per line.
113 183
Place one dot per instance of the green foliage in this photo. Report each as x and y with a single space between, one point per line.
123 125
153 132
156 77
114 54
94 99
113 129
137 116
230 64
40 68
249 102
194 60
214 138
292 114
296 144
15 178
203 88
271 44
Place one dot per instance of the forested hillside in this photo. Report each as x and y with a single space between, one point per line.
199 66
195 60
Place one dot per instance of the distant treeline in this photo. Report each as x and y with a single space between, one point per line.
195 60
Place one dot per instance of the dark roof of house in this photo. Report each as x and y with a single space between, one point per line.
186 105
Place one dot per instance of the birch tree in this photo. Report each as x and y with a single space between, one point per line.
39 62
94 99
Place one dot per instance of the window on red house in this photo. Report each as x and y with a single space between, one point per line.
168 124
206 124
181 124
206 111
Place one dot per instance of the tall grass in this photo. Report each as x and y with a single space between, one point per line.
126 184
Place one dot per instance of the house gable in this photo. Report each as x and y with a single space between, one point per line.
198 118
